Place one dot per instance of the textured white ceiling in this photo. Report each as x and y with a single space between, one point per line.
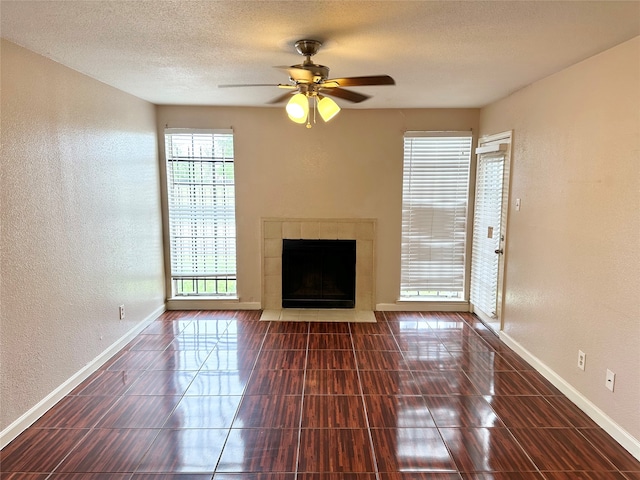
441 53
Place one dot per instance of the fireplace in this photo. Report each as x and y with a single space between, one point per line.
318 273
275 230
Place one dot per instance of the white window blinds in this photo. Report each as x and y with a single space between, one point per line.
201 201
486 232
435 195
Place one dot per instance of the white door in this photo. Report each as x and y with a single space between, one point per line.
489 228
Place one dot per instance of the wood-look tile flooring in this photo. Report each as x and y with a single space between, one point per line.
202 395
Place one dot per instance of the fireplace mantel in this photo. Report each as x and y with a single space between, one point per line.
274 230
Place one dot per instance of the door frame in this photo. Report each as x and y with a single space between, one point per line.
496 140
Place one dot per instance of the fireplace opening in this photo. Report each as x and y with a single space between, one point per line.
318 273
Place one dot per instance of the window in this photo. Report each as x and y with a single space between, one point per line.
435 194
201 203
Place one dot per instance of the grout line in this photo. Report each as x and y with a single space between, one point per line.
123 395
242 397
595 447
411 372
304 381
374 458
226 328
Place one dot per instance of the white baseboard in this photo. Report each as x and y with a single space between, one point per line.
408 306
623 437
34 413
210 304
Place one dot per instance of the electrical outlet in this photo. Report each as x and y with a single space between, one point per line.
582 358
611 380
121 312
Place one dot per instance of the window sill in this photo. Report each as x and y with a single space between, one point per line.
411 305
210 303
430 299
184 298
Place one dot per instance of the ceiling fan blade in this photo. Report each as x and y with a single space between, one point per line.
280 98
362 81
346 94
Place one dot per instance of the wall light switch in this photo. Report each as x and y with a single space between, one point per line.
518 204
610 380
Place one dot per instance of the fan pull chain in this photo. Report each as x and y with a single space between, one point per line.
313 106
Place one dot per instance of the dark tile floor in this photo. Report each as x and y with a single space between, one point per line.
201 395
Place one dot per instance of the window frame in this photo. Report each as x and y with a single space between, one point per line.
410 276
170 265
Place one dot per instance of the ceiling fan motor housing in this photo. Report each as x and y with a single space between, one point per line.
308 48
319 72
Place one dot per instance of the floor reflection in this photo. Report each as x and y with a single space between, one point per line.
222 395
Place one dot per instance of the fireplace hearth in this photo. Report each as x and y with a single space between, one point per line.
318 273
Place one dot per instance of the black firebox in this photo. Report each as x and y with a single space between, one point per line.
318 273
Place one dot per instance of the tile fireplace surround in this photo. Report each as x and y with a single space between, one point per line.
274 230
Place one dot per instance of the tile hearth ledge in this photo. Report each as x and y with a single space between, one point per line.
319 315
274 230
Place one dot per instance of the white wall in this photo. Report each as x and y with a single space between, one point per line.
81 225
573 251
350 167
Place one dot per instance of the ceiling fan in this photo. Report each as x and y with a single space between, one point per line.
309 84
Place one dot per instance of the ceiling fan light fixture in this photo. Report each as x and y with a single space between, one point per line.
309 79
298 108
327 108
